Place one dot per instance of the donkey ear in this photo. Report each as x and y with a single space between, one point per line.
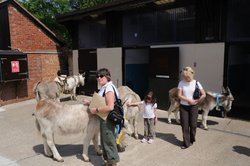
228 90
223 90
83 74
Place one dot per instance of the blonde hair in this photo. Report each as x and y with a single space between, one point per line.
188 73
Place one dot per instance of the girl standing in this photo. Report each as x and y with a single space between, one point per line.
149 115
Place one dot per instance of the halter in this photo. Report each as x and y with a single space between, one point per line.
217 103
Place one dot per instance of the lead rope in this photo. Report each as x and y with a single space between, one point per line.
117 131
62 91
118 126
217 103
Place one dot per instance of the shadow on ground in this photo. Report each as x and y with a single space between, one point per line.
242 150
71 150
171 138
209 122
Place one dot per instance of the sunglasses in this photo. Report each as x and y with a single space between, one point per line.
101 76
185 69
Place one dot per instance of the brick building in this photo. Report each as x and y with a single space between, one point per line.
20 30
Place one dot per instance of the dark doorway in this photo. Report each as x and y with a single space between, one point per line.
136 69
87 62
163 73
238 79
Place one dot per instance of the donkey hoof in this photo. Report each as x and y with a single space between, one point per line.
203 127
99 153
48 155
59 159
85 158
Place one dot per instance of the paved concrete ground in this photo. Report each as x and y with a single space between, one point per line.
226 143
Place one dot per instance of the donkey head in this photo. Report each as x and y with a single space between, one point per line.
227 99
82 79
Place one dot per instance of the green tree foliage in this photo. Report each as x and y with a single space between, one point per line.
81 4
47 10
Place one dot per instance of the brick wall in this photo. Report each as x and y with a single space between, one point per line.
43 59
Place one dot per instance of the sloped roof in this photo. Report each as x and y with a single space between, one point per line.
116 5
33 18
121 6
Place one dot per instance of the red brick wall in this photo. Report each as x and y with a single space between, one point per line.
29 38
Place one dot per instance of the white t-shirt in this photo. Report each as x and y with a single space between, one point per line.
107 88
188 89
149 109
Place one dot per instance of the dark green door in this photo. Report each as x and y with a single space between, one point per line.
163 73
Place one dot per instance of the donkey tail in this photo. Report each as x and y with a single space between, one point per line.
38 125
36 91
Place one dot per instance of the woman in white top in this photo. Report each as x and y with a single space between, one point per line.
107 128
188 105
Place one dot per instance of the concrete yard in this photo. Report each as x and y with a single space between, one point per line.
226 143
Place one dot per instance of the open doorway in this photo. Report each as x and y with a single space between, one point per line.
238 79
163 73
87 62
154 69
136 69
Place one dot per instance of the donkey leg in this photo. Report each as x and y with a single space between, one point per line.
73 96
169 116
95 142
91 132
86 142
176 111
204 119
47 150
136 129
128 127
124 138
51 144
173 106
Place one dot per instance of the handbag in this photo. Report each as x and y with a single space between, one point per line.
116 116
197 92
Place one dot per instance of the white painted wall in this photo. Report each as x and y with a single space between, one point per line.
111 58
73 63
206 59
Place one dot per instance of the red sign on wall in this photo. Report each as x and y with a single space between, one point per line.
15 68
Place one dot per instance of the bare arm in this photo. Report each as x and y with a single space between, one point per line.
156 115
133 104
203 95
182 97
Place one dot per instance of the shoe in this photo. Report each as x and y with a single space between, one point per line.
119 148
192 142
143 140
183 147
150 141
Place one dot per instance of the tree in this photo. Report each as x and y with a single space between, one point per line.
47 10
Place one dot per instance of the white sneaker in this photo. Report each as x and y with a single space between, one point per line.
150 141
143 140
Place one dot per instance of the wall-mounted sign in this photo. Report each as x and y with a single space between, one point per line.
15 67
